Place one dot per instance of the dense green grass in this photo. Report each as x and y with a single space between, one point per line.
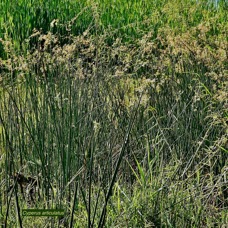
119 109
19 18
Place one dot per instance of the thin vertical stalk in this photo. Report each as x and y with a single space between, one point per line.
109 193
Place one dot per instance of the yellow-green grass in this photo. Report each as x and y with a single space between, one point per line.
134 132
19 18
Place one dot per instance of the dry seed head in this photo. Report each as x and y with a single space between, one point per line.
54 23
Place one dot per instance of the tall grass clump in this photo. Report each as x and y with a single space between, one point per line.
121 117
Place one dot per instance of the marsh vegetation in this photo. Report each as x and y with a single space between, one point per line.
117 110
